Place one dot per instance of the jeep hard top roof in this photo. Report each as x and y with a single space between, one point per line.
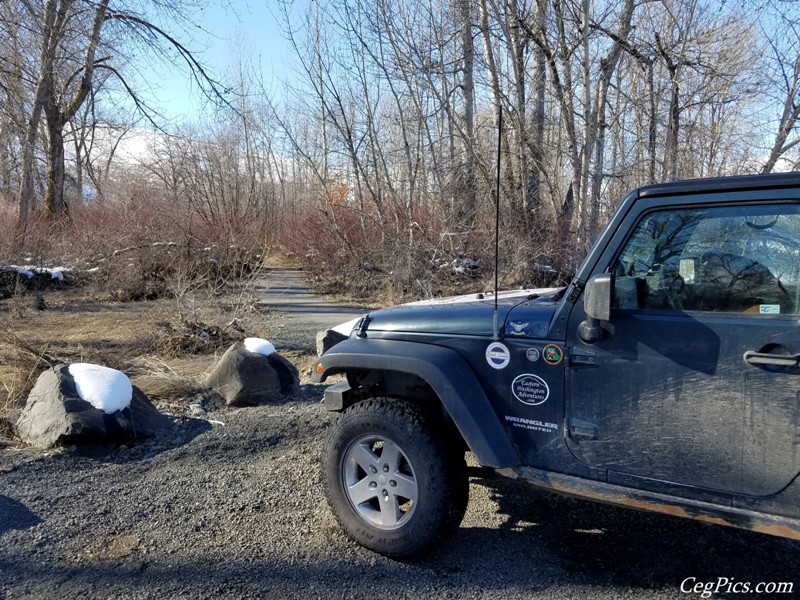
741 182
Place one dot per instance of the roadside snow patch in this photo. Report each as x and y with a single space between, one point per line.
106 389
259 346
24 271
28 271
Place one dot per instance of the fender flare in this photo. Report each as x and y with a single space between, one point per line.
450 377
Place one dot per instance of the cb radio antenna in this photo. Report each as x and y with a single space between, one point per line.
495 325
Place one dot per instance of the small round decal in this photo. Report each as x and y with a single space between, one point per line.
530 389
497 355
552 354
532 354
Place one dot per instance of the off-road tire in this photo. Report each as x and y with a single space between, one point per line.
430 467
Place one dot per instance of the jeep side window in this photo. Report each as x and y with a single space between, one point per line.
742 259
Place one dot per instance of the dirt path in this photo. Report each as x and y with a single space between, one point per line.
285 289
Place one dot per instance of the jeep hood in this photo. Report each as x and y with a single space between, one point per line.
471 314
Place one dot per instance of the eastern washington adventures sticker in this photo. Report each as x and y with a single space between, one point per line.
530 389
497 355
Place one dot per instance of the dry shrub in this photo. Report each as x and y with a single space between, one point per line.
135 248
363 253
123 338
139 248
23 358
186 337
392 257
21 363
167 381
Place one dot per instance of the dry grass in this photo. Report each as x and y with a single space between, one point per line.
164 345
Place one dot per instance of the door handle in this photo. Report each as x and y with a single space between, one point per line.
775 360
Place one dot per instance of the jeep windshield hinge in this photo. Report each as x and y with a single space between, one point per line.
574 291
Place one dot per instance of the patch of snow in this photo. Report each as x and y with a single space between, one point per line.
56 272
24 271
545 268
28 271
259 346
106 389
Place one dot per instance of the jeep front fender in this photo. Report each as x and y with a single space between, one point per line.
450 377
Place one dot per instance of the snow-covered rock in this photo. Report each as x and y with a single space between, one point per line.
106 389
246 378
56 415
28 271
259 346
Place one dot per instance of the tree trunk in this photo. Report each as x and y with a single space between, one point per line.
54 179
671 151
25 197
44 89
497 98
789 119
323 109
652 124
468 86
5 167
539 92
599 126
581 193
79 143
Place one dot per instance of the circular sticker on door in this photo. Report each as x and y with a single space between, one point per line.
497 355
532 354
552 354
530 389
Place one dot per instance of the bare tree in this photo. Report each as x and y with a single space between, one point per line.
598 98
468 95
784 45
76 38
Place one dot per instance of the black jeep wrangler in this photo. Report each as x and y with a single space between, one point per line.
665 377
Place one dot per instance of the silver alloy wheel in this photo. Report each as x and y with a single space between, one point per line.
379 481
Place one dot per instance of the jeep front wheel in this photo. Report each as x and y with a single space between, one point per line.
394 486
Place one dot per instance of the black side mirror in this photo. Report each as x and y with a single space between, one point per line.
597 297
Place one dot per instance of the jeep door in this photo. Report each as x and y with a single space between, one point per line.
696 382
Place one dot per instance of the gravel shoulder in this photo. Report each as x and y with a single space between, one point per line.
233 509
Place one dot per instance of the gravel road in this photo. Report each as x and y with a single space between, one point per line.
235 510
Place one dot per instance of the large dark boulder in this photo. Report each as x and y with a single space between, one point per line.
327 339
247 378
55 415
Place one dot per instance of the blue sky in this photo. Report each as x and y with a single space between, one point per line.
221 28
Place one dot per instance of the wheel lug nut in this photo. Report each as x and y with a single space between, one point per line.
373 469
385 468
372 485
393 483
385 493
